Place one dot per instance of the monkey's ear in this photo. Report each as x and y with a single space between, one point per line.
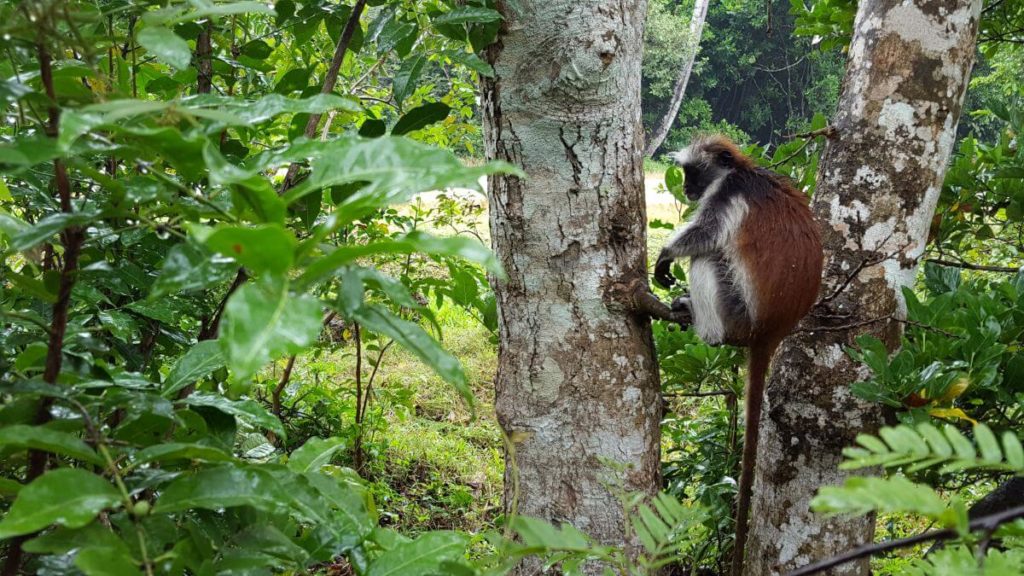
726 159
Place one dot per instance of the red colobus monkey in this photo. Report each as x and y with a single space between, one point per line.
755 270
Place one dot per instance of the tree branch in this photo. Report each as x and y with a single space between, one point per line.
72 239
969 266
987 523
330 80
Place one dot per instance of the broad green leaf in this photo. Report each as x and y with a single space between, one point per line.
46 439
265 248
468 15
175 14
393 169
249 411
190 267
66 496
315 453
198 362
421 557
262 322
420 117
106 562
458 246
80 121
407 76
167 46
180 451
223 486
471 61
45 228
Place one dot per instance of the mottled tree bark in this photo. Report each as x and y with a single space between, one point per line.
700 13
878 185
577 383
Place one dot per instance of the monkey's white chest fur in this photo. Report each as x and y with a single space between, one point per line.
704 291
719 275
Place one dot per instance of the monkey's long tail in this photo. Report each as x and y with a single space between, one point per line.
758 359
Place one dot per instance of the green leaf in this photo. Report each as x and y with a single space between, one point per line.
265 248
406 77
189 267
421 117
249 411
961 445
223 486
66 496
416 340
167 46
262 323
106 562
467 15
45 228
423 556
180 451
39 438
201 360
314 454
1013 450
458 246
393 169
988 444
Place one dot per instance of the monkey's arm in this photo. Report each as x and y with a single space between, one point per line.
636 297
702 236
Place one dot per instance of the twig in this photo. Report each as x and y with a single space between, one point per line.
986 523
279 389
330 80
844 327
828 132
982 267
700 394
803 147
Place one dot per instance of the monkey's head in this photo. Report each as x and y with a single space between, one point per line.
706 162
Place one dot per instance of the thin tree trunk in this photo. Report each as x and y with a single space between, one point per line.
878 186
700 13
577 383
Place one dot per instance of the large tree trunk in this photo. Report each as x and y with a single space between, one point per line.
700 13
577 384
878 185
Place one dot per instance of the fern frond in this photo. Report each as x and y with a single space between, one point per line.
925 446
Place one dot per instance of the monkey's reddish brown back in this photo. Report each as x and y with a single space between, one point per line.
781 246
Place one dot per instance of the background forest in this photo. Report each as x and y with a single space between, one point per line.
247 326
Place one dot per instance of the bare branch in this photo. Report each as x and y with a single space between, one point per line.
985 523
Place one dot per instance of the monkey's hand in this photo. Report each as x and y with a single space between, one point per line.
663 271
682 305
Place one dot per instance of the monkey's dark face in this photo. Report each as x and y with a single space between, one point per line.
703 169
696 181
